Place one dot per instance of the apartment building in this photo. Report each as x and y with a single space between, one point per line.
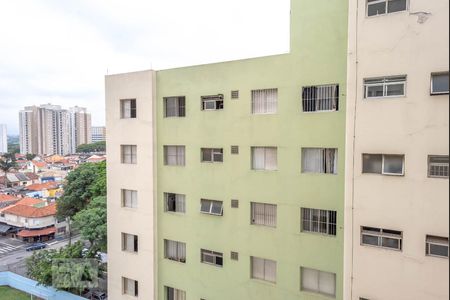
3 139
98 134
397 189
237 191
49 129
80 125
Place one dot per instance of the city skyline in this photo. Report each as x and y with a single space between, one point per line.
121 38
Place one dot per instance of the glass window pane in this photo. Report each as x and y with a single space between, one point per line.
396 5
391 243
395 89
205 206
216 208
310 280
257 268
271 159
439 250
370 240
372 163
440 83
393 164
376 9
375 91
327 283
206 155
270 270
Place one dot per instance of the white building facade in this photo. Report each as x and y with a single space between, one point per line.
3 139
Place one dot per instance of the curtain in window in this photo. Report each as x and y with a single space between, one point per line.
312 161
179 295
129 242
271 160
180 204
327 283
330 161
310 280
264 101
258 158
258 215
171 250
171 155
129 287
270 270
181 249
180 155
257 268
171 107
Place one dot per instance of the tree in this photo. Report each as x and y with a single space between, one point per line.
92 224
30 156
92 148
7 162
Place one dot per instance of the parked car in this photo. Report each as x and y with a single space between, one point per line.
36 246
95 295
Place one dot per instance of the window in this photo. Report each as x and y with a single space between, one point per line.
264 269
320 98
234 94
174 107
211 257
128 109
234 255
129 198
382 238
381 7
264 214
385 87
235 203
264 158
214 102
439 83
319 221
234 149
265 101
174 294
174 155
319 160
318 282
211 207
130 287
212 155
175 203
384 164
129 242
437 246
438 166
175 251
129 154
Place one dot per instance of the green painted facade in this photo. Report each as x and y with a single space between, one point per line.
318 56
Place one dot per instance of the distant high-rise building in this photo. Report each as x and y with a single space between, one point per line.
49 129
3 139
98 134
80 127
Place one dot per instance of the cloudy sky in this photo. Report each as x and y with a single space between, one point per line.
54 51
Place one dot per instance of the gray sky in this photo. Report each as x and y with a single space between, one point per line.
54 51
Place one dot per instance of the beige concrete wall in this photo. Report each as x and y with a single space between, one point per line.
417 126
140 177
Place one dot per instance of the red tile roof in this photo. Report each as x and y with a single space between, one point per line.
29 201
30 211
40 232
39 164
42 186
4 198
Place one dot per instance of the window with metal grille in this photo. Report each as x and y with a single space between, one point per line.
319 221
264 269
175 203
211 207
385 87
234 256
174 250
129 198
235 203
437 246
174 107
234 94
264 214
129 242
174 294
320 98
128 109
130 287
439 83
385 164
265 101
382 7
211 257
319 160
214 102
212 154
264 158
438 166
174 155
128 154
382 238
317 281
234 149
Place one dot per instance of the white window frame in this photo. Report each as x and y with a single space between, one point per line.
132 156
178 106
311 222
214 152
265 261
318 272
382 235
215 99
322 151
393 174
180 162
429 241
387 12
178 198
266 148
125 291
385 83
267 217
133 194
433 164
266 103
179 257
211 205
214 257
431 83
125 112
